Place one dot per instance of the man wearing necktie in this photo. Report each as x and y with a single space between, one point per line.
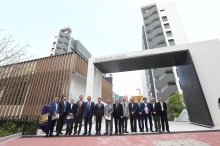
155 115
88 112
79 115
71 110
133 111
98 115
108 111
53 111
147 114
163 114
140 115
62 114
125 115
118 115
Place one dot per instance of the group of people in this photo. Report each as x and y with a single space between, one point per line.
120 112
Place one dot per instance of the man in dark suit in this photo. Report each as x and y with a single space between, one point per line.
88 112
133 109
71 110
118 115
147 114
62 113
98 115
79 115
53 111
140 115
155 115
163 114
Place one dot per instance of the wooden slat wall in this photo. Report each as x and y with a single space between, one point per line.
106 90
28 86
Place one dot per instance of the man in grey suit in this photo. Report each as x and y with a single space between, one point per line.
125 115
79 115
108 111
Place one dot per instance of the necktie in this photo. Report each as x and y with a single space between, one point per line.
89 106
80 104
162 106
124 104
99 106
64 106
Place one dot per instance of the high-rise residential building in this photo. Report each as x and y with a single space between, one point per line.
62 43
162 27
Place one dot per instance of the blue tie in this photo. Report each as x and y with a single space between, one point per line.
64 107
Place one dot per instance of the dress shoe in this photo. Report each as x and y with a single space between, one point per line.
60 133
147 130
46 136
99 133
84 133
151 131
110 133
168 131
66 133
126 132
57 134
69 134
115 133
51 135
120 133
160 131
156 130
163 131
89 133
96 133
74 133
78 133
105 133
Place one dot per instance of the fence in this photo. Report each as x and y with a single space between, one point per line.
27 125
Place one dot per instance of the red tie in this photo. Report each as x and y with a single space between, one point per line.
99 105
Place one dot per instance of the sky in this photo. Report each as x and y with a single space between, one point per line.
104 27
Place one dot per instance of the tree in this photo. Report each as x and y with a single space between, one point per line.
175 105
11 52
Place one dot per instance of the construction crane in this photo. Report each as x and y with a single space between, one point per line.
138 88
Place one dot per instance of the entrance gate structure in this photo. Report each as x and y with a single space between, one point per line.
198 67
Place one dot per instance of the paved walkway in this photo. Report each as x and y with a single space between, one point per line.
172 139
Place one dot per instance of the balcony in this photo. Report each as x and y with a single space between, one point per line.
62 46
63 40
154 17
64 35
164 80
170 89
157 40
152 26
150 12
155 32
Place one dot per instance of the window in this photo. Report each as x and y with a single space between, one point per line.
54 43
164 19
162 10
167 26
52 50
171 42
55 36
169 34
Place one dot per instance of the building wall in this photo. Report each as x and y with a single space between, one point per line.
155 17
27 86
106 90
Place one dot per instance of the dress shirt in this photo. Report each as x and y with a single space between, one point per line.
161 103
56 106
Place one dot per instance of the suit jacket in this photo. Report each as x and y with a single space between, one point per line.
155 108
61 105
98 112
88 111
71 110
125 109
79 110
109 110
133 109
52 108
140 108
117 112
149 106
164 107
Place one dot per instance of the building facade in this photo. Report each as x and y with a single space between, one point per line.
162 27
28 86
62 43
